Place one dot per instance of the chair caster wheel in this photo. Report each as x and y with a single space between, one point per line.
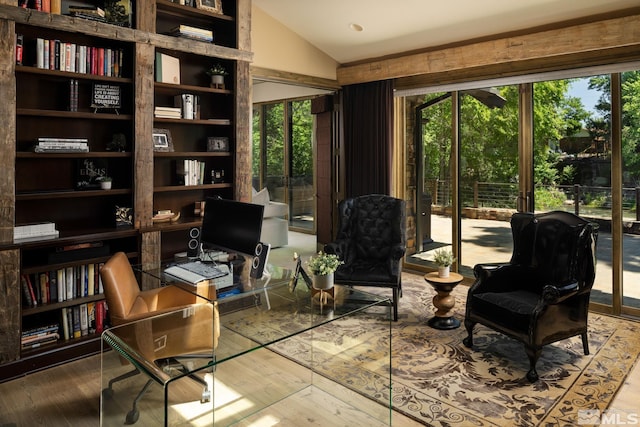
107 393
468 342
132 416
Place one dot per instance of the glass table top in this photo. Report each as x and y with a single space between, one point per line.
263 312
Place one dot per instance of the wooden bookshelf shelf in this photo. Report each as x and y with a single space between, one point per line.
90 154
175 154
191 187
71 75
72 114
166 7
173 88
69 194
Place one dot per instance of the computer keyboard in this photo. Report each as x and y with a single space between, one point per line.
195 271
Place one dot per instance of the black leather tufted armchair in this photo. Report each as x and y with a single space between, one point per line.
371 242
542 295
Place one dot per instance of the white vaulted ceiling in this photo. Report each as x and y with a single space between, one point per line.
394 26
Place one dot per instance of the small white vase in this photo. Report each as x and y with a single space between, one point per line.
105 185
217 80
443 271
323 282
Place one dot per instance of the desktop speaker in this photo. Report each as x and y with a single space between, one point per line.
260 255
193 245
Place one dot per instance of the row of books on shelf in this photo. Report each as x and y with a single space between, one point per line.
61 285
62 145
49 6
64 56
75 322
190 172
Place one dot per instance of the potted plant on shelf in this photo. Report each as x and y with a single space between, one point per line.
444 259
105 182
322 267
217 73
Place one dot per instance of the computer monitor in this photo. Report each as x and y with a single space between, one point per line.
231 226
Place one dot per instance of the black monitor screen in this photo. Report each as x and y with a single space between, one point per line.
231 225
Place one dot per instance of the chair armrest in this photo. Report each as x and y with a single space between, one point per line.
552 294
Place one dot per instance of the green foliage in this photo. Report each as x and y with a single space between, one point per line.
549 198
323 264
596 201
217 70
269 124
443 257
631 124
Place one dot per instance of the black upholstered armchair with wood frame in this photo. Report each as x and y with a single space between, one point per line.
371 242
542 295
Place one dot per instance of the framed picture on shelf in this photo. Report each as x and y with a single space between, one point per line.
214 6
218 143
162 140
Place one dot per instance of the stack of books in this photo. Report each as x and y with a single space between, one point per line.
43 230
167 112
192 33
62 145
93 13
33 338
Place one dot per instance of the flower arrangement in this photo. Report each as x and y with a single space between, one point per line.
443 257
217 70
323 264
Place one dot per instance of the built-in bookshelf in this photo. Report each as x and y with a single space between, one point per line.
72 122
190 171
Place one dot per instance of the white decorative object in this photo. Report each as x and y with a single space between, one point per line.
443 271
323 282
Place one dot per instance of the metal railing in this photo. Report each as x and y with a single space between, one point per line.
588 200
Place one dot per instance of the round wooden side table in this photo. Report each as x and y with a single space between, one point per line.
443 300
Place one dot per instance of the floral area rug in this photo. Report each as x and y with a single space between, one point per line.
438 381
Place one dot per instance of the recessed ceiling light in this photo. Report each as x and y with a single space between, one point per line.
356 27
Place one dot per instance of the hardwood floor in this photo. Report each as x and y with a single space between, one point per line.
69 395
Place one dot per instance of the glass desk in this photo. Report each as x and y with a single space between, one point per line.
272 351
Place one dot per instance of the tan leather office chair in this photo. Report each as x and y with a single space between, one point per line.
127 303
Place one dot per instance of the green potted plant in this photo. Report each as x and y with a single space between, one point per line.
217 73
444 259
322 267
105 182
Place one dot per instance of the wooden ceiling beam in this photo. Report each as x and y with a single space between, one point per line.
270 75
557 45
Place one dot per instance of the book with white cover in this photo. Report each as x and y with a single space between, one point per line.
167 68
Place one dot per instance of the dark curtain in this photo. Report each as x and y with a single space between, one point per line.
368 131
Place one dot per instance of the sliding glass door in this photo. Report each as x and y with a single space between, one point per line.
568 144
283 158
